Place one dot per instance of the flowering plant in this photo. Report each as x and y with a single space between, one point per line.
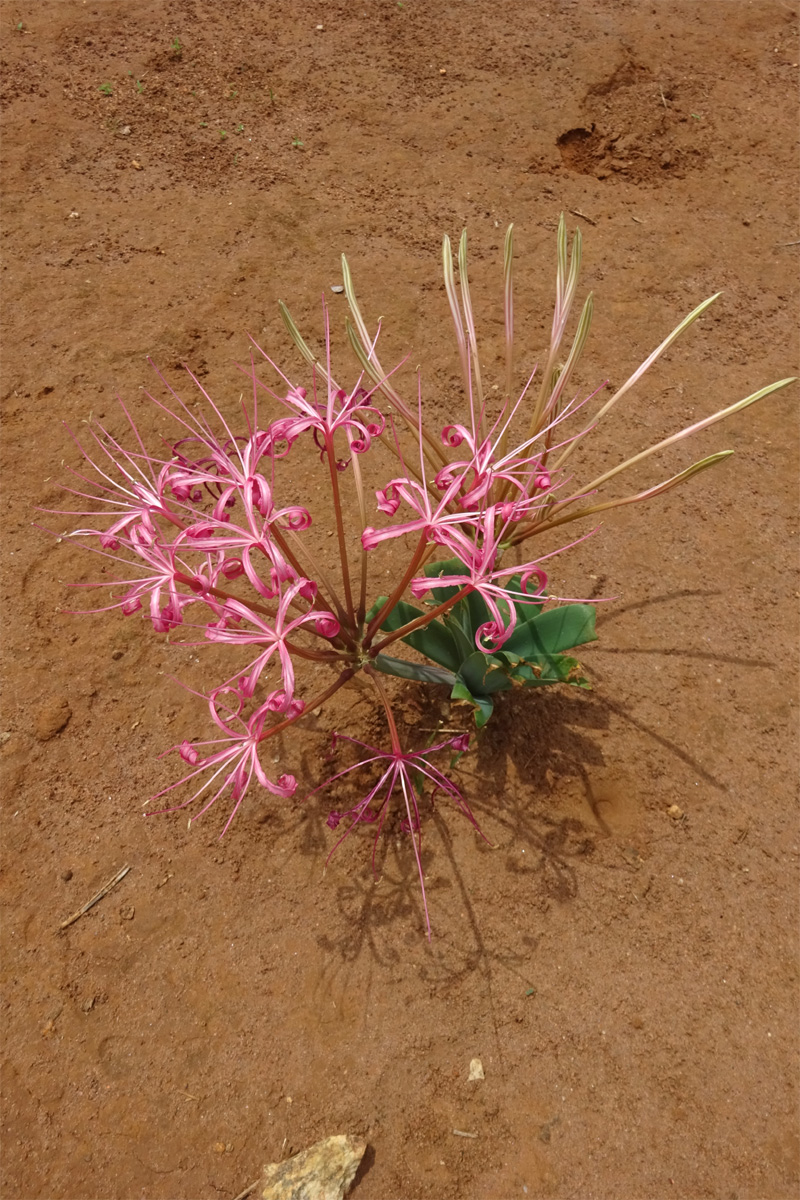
215 534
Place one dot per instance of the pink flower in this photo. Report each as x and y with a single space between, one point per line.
480 555
251 542
228 471
477 474
466 484
162 580
433 520
272 637
134 486
349 412
236 764
397 779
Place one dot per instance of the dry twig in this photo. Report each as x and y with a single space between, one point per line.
104 890
576 212
248 1191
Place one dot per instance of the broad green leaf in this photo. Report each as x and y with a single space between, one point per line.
558 668
376 608
433 640
552 631
479 613
404 669
483 705
450 566
400 615
458 623
483 674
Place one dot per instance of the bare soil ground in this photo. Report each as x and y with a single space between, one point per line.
628 980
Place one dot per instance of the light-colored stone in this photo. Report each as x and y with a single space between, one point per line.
476 1070
323 1172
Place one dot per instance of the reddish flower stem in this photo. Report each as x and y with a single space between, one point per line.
425 619
379 688
375 623
315 655
315 703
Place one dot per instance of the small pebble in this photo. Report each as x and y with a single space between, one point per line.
52 718
117 655
675 812
337 288
66 875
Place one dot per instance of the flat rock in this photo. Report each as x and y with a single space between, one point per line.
52 718
323 1172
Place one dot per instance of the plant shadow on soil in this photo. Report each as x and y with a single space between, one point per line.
536 744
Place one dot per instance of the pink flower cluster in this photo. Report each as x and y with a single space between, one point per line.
207 544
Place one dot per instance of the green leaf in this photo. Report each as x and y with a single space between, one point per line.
473 611
479 613
433 640
458 622
550 632
483 705
531 657
449 566
558 668
400 615
484 674
376 608
404 669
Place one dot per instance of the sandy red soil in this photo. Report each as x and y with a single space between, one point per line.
628 980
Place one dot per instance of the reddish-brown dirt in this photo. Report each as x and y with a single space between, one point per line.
629 980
